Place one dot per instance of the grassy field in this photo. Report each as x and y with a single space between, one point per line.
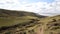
12 17
8 21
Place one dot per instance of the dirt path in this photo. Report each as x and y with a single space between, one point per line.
40 30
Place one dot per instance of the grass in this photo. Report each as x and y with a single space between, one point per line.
49 20
8 21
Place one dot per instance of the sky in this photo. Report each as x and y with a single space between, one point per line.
42 7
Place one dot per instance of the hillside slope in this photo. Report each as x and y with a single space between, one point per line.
20 22
4 12
14 22
12 17
52 25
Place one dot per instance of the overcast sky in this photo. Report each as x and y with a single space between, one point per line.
43 7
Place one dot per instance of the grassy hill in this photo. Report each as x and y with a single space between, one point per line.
4 12
28 21
52 25
12 17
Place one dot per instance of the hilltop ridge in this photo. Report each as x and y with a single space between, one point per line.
4 12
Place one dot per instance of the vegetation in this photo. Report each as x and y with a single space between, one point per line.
11 17
52 25
10 20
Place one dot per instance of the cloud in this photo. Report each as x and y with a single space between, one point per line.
42 8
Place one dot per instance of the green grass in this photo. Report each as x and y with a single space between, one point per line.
8 21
